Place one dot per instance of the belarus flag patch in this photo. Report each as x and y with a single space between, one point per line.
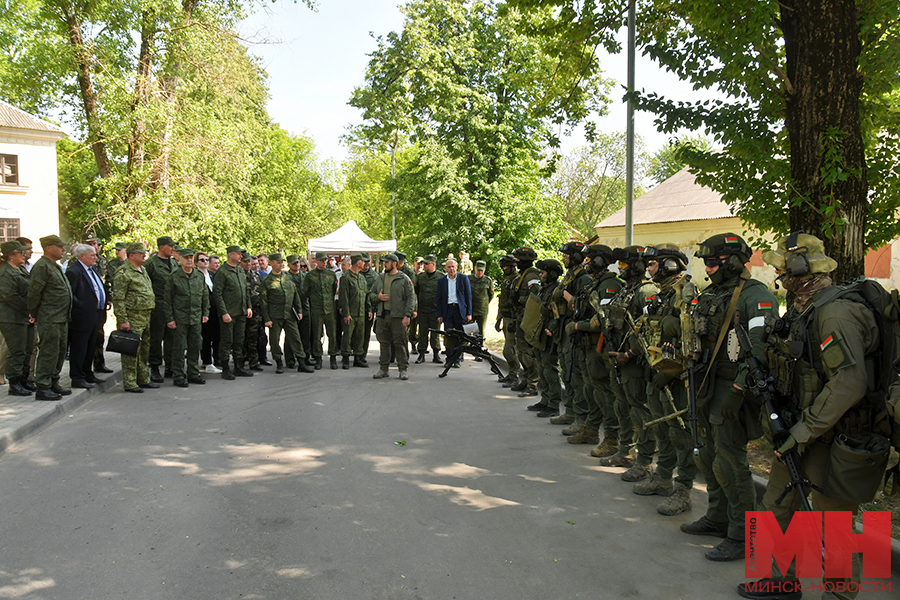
828 341
764 306
610 290
731 240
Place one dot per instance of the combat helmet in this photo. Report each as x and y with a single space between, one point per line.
524 253
600 256
800 254
551 266
730 245
669 257
633 259
575 250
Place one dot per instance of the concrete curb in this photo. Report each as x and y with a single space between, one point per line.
55 411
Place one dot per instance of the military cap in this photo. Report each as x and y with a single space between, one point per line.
292 259
550 265
89 237
135 247
388 257
525 253
724 243
178 248
245 256
799 254
276 256
24 241
356 256
419 259
121 245
231 249
430 258
7 248
366 257
400 255
187 252
507 260
52 240
480 265
165 241
321 255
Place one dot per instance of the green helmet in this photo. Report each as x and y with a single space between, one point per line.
551 266
724 244
800 254
633 256
669 257
505 261
524 253
600 256
576 250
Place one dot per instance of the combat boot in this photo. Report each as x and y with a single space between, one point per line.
729 549
60 389
155 377
656 485
619 459
678 502
519 386
279 366
563 419
334 363
705 526
226 372
548 412
16 388
528 391
359 361
28 385
421 358
403 375
318 363
345 363
240 371
637 472
575 427
380 374
509 382
302 367
587 435
609 447
47 394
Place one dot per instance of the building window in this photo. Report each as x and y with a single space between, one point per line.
9 229
9 169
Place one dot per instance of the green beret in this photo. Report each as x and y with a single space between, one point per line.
165 241
388 257
400 255
187 252
355 257
121 245
135 247
276 256
321 255
292 259
52 240
231 249
11 246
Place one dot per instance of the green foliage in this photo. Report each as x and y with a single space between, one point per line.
670 159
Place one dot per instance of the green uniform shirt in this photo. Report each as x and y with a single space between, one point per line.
528 281
133 293
409 273
230 291
504 302
186 299
254 281
482 294
280 297
159 270
426 291
49 297
402 297
299 280
353 296
321 285
112 267
13 294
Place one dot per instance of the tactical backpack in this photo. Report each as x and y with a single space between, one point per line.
885 399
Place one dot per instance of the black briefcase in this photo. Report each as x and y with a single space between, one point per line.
124 342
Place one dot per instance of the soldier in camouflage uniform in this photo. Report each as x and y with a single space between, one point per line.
528 282
626 356
394 302
114 264
254 322
548 373
596 369
160 267
14 318
413 323
187 308
505 321
50 303
298 276
369 275
426 296
661 328
233 304
568 297
354 302
321 284
281 311
134 301
727 415
482 294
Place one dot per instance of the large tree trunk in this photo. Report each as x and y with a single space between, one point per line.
823 116
142 86
88 94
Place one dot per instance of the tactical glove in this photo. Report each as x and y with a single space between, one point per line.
571 327
661 380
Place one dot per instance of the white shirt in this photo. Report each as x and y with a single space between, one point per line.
451 290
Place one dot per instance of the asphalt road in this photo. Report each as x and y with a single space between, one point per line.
294 486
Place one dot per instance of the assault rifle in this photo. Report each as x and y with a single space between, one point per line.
576 337
764 389
470 341
690 351
675 414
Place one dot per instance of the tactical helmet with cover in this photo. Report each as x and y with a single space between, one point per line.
800 254
600 256
553 267
631 261
575 251
524 253
732 247
669 258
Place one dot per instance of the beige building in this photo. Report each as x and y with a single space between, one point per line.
682 212
29 202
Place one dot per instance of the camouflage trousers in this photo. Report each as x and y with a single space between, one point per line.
318 322
293 344
352 340
509 346
251 339
18 342
54 339
675 447
135 371
231 340
185 346
548 376
160 338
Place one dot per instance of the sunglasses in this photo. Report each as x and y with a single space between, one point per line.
304 266
202 260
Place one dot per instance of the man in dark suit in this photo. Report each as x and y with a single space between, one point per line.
454 301
90 300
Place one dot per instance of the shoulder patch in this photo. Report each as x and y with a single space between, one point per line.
834 354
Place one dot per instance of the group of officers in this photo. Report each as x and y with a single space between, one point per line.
641 355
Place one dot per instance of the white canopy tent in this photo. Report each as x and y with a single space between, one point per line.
350 238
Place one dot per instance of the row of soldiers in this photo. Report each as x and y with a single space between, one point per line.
653 363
